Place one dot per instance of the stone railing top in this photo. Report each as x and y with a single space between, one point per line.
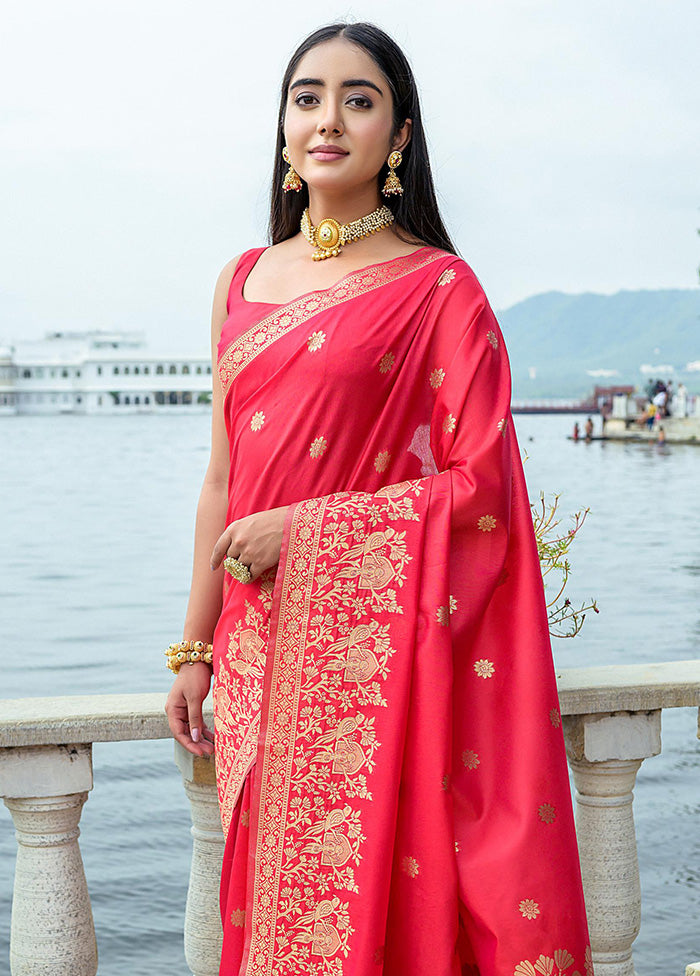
114 718
629 687
82 718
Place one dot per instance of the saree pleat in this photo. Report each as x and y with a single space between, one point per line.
390 760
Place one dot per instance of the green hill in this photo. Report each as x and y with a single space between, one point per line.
561 337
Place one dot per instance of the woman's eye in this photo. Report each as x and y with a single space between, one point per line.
359 100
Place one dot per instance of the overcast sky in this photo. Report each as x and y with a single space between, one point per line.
136 142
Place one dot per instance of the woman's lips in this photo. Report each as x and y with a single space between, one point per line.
326 155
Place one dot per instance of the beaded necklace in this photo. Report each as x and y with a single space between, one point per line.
330 235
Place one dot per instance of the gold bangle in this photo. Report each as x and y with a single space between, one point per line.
188 652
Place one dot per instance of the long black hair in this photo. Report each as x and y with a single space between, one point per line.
417 209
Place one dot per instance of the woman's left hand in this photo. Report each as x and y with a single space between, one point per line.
255 541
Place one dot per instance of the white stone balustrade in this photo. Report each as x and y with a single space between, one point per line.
45 773
611 723
44 788
605 752
203 933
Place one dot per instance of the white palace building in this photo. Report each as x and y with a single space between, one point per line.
98 372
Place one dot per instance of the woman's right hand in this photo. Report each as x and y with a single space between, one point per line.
184 709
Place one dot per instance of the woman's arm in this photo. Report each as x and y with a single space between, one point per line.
191 685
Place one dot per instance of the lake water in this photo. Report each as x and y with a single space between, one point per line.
95 551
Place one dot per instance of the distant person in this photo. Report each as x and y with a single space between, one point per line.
680 401
661 439
589 429
670 394
650 414
577 432
659 401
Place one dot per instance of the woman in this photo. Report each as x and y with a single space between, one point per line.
390 765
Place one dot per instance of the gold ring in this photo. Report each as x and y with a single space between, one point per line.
237 569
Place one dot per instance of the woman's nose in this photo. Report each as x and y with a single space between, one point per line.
331 121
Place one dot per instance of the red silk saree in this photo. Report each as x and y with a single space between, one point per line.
390 762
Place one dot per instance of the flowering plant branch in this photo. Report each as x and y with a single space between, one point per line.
553 544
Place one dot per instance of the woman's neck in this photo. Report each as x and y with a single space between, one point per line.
343 208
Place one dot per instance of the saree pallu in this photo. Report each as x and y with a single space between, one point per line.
390 761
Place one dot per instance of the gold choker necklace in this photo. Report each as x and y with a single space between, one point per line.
330 235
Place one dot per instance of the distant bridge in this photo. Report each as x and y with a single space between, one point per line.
554 405
600 401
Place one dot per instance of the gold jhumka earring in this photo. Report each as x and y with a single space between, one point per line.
292 180
393 183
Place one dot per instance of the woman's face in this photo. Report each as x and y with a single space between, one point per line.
339 97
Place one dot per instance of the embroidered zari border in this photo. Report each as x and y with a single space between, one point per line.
244 348
238 691
340 593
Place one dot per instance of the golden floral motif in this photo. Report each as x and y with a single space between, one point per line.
449 424
325 940
246 649
555 717
588 961
437 378
457 847
470 759
315 341
453 603
362 663
529 908
318 447
378 956
336 849
381 462
386 362
245 348
563 959
558 964
492 338
257 420
410 866
376 570
446 277
487 523
547 813
348 757
484 668
245 818
442 615
238 917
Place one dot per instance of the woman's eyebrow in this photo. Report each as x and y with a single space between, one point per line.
350 83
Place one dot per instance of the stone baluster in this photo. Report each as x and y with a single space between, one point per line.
203 933
605 752
44 788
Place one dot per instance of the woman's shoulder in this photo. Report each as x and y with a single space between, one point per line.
229 269
227 274
453 267
455 281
